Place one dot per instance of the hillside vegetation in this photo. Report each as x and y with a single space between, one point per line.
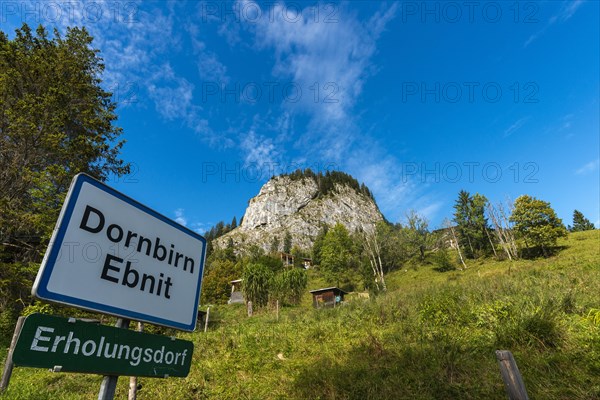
432 335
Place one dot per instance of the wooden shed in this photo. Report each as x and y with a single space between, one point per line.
327 297
288 260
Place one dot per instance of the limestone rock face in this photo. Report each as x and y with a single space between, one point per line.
296 206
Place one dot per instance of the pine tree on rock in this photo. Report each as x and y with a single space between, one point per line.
287 243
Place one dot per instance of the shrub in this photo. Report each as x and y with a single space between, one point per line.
442 261
257 281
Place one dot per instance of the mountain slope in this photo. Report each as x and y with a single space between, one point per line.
299 204
433 335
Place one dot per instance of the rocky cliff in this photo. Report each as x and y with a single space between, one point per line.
300 205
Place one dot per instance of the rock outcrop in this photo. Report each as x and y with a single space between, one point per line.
300 207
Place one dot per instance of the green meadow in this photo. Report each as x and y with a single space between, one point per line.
432 335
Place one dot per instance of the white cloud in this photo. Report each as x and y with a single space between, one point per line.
568 9
135 38
180 217
198 227
330 62
173 99
172 94
396 189
210 69
201 227
259 149
588 168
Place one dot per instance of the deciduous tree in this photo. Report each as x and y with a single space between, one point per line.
417 234
536 223
336 253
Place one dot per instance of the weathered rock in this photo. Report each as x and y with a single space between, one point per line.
296 206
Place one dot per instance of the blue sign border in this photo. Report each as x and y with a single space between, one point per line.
40 288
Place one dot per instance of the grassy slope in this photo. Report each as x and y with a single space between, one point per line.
432 336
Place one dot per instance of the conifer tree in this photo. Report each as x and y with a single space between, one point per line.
580 223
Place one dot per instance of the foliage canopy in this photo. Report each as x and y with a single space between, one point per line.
55 121
536 223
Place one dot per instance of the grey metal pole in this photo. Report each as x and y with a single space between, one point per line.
109 383
133 380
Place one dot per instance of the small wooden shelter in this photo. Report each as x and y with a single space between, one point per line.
288 260
327 297
236 292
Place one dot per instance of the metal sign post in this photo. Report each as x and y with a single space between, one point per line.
109 383
142 266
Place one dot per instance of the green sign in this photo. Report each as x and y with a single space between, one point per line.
69 345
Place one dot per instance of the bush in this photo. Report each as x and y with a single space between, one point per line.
257 281
289 285
442 261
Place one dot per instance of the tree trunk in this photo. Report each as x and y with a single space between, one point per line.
457 246
491 243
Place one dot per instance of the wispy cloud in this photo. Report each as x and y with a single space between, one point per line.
515 126
259 149
180 217
396 189
135 38
331 63
172 94
590 167
566 11
201 227
210 68
173 99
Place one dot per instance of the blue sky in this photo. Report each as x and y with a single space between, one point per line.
416 99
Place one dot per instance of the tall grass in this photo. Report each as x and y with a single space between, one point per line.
433 335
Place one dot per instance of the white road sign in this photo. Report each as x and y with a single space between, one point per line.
111 254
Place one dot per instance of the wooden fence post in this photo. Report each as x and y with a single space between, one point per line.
513 382
8 365
206 320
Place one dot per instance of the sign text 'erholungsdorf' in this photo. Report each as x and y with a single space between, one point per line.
70 345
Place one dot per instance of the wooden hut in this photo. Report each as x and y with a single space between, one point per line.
327 297
288 260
